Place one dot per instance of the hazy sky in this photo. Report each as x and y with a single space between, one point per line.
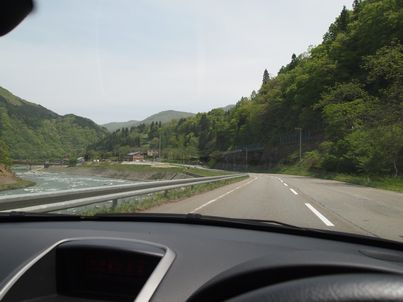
119 60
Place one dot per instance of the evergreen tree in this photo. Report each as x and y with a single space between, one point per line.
343 20
356 4
266 77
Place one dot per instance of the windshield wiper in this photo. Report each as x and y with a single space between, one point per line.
193 219
271 222
197 219
30 216
190 218
150 217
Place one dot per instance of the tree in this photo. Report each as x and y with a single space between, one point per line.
266 77
204 126
253 95
385 72
378 150
356 5
342 21
4 154
347 92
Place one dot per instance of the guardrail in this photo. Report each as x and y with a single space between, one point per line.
53 201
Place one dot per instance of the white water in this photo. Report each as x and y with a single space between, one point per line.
49 181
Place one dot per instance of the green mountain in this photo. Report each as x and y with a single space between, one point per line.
30 131
344 95
228 107
163 117
113 126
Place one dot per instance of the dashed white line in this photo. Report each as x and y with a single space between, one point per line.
321 217
221 196
280 179
295 192
285 184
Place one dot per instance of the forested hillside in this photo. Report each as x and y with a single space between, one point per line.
163 117
345 94
31 132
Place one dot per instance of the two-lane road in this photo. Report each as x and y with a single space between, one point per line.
302 201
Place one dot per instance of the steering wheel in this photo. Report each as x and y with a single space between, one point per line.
331 288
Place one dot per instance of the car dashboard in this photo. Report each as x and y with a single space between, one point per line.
170 261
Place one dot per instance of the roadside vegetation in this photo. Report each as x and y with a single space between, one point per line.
142 203
8 180
391 183
344 95
18 184
156 169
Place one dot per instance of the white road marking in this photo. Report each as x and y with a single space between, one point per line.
281 180
295 192
321 217
221 196
285 184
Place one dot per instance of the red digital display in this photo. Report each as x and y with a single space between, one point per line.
95 263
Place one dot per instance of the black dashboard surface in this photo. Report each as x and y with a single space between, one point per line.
201 252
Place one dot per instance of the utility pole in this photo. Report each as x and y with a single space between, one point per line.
246 158
300 142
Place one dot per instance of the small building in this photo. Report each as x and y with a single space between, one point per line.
135 156
152 153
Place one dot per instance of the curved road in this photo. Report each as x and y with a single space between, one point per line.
302 201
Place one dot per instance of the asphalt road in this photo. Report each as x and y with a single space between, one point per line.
302 201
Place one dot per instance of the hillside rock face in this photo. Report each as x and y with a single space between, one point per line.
6 176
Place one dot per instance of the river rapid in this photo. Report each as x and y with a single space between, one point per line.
50 181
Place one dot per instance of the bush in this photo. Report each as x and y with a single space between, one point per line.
312 160
4 154
72 162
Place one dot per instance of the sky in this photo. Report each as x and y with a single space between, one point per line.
112 60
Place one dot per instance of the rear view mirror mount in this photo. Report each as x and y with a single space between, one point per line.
12 12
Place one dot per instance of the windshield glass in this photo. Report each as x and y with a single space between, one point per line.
287 111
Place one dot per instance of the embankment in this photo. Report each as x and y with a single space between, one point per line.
9 181
143 173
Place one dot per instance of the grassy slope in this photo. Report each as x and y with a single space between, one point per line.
381 182
19 184
154 200
9 181
148 168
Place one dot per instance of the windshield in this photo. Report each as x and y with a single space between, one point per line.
287 111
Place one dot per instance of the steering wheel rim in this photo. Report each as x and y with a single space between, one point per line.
331 288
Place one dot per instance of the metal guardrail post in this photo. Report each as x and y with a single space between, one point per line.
114 204
70 199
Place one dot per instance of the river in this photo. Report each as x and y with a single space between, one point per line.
49 181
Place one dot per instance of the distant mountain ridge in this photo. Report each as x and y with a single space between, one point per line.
228 107
163 117
31 131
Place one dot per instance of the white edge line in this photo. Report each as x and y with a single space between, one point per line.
321 217
285 184
293 191
221 196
